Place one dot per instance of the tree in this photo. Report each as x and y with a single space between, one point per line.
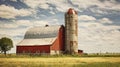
5 44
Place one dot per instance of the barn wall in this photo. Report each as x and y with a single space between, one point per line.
33 49
58 45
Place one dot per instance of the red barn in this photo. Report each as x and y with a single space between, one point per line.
47 39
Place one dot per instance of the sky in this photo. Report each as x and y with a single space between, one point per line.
98 25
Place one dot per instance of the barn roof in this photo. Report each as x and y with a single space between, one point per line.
42 32
40 35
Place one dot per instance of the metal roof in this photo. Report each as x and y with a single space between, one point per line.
33 42
40 36
42 32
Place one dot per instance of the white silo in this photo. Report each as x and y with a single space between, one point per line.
71 31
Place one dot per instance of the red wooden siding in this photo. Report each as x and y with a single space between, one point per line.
59 42
80 51
33 49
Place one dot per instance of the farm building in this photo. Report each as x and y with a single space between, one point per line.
47 39
53 39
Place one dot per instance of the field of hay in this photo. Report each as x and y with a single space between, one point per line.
61 62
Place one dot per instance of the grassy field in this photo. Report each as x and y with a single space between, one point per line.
59 61
91 60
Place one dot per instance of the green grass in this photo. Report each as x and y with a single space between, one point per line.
30 64
57 56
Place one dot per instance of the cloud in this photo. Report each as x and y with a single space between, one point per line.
52 12
10 12
36 3
99 37
110 4
79 5
20 23
14 24
15 27
60 4
3 35
105 20
7 25
45 4
107 4
86 18
40 23
98 7
84 3
23 23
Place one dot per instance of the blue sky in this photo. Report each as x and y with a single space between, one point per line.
99 20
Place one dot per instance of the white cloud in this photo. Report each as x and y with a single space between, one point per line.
52 12
99 11
98 37
14 24
40 23
107 4
111 4
23 23
10 12
36 3
84 4
54 22
105 20
3 35
8 25
19 23
98 7
86 18
14 28
59 4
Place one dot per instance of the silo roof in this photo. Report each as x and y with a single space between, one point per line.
45 35
71 11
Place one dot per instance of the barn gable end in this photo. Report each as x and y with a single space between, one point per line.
58 46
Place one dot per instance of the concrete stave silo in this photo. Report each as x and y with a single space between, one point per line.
71 31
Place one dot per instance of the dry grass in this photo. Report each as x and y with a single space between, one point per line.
65 59
56 62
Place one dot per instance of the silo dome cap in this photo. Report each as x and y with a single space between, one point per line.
71 11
